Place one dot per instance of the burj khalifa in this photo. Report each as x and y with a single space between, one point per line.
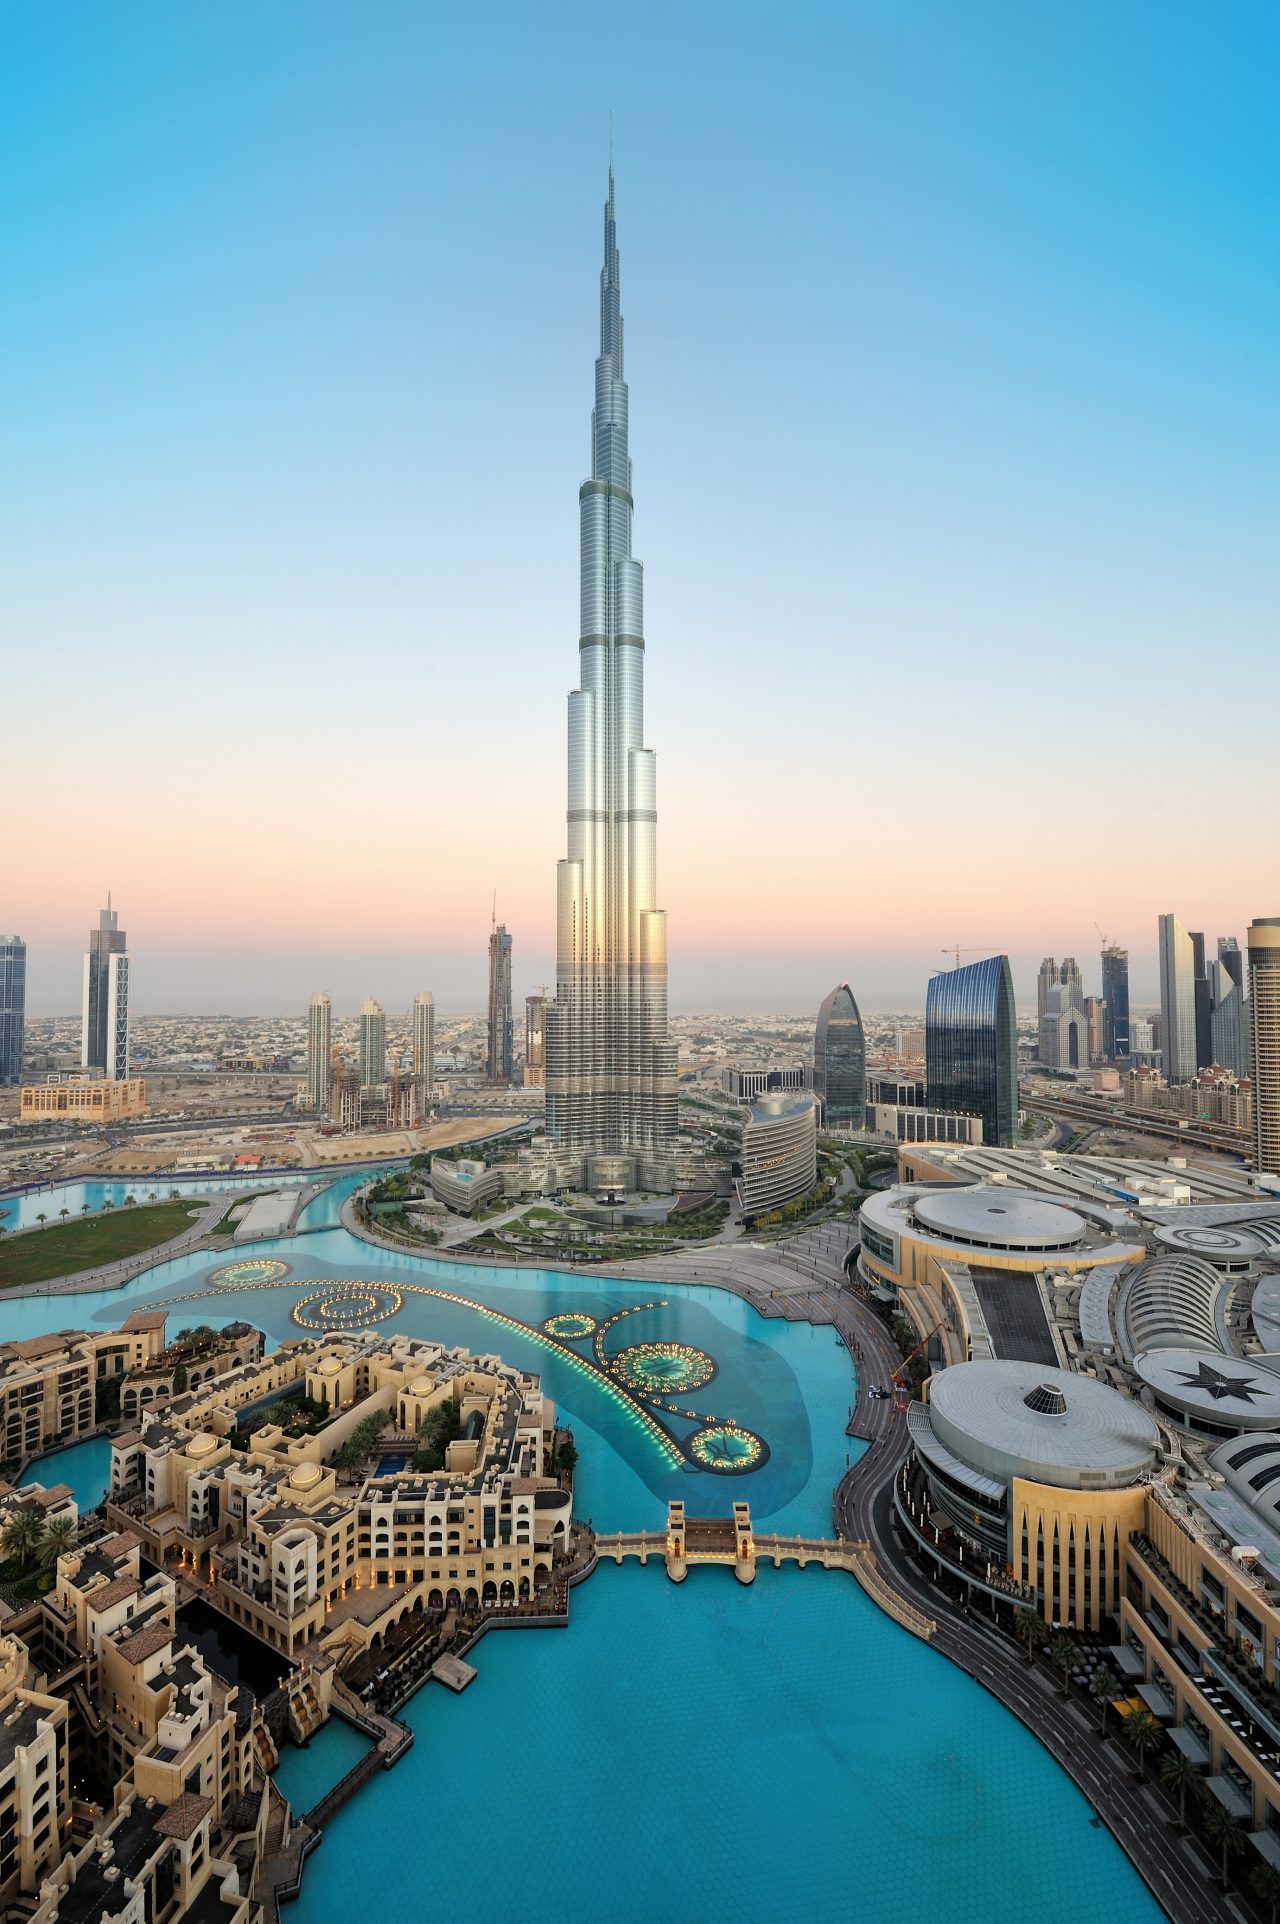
610 1068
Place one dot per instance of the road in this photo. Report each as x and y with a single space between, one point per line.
1174 1872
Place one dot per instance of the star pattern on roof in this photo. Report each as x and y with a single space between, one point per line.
1217 1385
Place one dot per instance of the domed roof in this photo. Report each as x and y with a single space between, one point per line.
999 1218
1049 1425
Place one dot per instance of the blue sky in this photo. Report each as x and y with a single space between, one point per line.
952 346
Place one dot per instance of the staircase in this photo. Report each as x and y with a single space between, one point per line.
305 1712
264 1748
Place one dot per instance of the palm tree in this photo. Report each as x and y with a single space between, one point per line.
1181 1775
1143 1732
1224 1830
1031 1627
64 1213
151 1195
59 1540
1102 1688
41 1217
84 1209
1266 1887
108 1204
129 1201
1062 1655
23 1534
175 1195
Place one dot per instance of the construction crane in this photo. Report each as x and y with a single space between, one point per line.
1104 939
901 1376
974 948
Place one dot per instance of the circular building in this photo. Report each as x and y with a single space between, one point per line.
1208 1393
961 1261
1001 1219
1037 1474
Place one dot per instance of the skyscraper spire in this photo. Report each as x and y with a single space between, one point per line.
611 1070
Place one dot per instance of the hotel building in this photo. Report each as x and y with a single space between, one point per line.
779 1150
303 1559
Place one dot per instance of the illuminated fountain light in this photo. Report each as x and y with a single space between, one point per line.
727 1449
341 1306
671 1369
251 1273
570 1325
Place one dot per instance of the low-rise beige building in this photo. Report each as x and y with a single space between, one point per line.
308 1554
49 1385
82 1099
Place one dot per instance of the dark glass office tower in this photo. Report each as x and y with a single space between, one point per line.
1115 994
13 1007
971 1046
1203 1002
840 1061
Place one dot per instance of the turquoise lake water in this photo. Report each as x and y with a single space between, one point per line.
728 1754
84 1467
711 1752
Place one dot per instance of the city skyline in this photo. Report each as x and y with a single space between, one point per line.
1114 504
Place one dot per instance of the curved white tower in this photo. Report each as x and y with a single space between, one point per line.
611 1071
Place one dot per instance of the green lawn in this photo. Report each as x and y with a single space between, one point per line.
63 1249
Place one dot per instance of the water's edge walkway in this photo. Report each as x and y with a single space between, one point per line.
802 1280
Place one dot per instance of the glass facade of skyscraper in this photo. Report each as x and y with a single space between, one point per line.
13 1006
840 1061
1115 995
971 1046
610 1064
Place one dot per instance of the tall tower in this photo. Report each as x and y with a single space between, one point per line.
1229 1021
535 1030
840 1061
971 1046
319 1053
1264 1033
1115 996
13 1006
1047 979
611 1070
424 1048
104 1015
373 1044
1177 1001
498 1059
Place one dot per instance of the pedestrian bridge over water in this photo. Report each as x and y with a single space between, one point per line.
731 1540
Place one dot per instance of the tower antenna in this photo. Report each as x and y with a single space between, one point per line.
611 140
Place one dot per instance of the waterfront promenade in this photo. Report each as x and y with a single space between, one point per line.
804 1280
